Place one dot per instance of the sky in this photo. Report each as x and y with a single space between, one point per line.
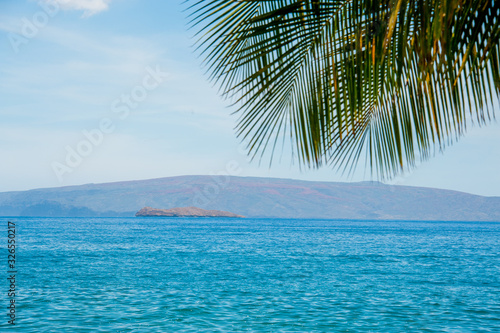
95 91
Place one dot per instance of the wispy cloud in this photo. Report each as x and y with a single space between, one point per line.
89 7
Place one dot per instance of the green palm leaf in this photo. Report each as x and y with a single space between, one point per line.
394 80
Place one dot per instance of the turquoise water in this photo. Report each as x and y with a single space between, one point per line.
261 275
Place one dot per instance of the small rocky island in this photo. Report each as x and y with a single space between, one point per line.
184 212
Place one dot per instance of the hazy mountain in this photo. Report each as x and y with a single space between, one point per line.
254 197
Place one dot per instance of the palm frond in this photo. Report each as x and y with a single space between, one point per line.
395 80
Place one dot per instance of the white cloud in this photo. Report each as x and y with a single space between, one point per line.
89 7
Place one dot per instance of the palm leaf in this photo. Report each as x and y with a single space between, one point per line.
395 80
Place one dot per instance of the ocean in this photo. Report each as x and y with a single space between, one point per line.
256 275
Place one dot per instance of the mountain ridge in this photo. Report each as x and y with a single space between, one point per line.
254 197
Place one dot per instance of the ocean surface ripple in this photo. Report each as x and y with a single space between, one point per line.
257 275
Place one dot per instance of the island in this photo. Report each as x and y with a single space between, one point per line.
185 212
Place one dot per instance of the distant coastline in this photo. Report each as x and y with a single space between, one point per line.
255 197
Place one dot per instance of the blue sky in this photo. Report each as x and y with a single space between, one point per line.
79 76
